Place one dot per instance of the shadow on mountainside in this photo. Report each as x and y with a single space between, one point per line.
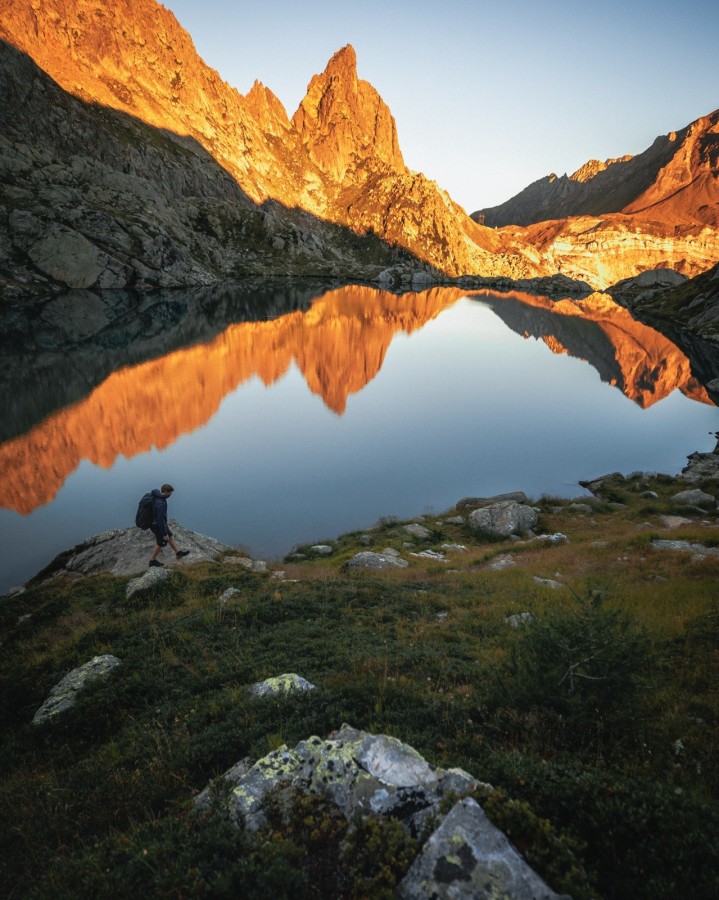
94 198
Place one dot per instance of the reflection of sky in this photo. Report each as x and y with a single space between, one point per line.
462 407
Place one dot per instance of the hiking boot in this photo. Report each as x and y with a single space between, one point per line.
181 553
154 564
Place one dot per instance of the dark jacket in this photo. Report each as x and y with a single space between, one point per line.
159 512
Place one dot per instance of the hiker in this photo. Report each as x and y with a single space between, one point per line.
159 527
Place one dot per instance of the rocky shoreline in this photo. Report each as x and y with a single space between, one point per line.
124 552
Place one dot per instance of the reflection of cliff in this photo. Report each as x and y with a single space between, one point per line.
58 349
339 345
641 362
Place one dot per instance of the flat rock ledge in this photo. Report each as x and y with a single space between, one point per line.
64 694
126 551
698 551
364 774
370 560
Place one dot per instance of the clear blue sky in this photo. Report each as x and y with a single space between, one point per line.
487 96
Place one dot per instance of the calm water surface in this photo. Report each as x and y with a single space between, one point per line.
352 406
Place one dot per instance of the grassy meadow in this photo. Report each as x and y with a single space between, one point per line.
596 722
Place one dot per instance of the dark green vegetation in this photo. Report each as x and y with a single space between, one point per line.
597 722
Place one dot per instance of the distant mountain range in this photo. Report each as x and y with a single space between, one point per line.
673 182
126 162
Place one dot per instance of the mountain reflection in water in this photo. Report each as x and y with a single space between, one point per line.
338 341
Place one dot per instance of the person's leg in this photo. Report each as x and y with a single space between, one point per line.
160 542
178 553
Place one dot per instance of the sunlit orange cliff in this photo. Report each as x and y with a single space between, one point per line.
339 345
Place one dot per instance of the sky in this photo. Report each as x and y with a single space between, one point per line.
488 96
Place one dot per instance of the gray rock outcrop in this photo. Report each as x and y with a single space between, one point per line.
64 694
229 594
146 582
694 497
504 518
364 774
415 530
468 857
359 772
367 559
468 503
702 465
698 551
126 551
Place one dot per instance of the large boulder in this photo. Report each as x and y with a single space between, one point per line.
70 258
146 582
504 518
361 773
415 530
126 551
64 694
694 497
365 774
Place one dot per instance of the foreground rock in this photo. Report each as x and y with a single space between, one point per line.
504 518
467 856
64 694
126 551
146 582
364 774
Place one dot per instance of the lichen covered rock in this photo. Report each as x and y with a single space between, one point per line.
360 773
468 857
280 685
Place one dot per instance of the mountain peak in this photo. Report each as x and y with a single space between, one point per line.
343 63
343 120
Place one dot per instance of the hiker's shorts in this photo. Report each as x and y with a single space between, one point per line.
161 536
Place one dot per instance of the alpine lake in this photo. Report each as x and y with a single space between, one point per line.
288 412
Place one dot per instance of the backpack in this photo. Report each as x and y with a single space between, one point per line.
143 516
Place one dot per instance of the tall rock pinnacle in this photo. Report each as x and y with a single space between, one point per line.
343 120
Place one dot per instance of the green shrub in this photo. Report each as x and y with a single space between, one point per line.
583 666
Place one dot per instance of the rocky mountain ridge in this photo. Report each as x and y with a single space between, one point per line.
323 192
673 182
